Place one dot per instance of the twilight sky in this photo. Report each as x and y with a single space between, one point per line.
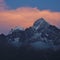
24 12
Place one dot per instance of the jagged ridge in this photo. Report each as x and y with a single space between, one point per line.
41 35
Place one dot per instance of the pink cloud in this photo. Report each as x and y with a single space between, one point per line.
25 17
1 0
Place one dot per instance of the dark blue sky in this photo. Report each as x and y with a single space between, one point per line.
53 5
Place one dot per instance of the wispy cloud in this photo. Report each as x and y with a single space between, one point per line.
3 5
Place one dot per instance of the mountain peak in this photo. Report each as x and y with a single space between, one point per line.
18 28
42 19
40 23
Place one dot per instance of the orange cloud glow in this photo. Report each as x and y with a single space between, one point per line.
25 17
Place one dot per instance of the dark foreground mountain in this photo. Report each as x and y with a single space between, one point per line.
40 41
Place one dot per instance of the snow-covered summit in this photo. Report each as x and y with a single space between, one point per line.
18 28
40 23
41 35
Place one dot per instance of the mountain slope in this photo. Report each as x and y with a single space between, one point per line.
41 35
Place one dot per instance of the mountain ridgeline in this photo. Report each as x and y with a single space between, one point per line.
40 37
